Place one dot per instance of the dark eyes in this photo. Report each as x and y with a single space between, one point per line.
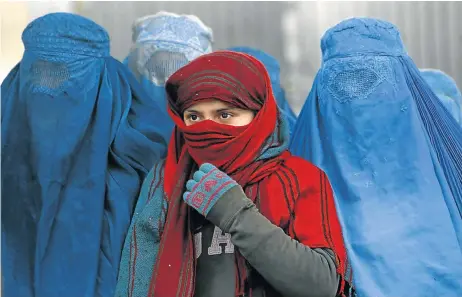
193 117
225 115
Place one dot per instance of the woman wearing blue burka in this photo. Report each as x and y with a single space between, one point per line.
390 149
162 44
78 138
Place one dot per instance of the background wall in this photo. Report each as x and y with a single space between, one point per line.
290 31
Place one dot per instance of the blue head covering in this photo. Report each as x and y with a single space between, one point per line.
446 89
272 66
362 125
78 138
162 44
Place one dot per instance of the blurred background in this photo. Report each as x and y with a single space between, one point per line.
290 31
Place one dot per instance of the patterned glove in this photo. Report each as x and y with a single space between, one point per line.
206 187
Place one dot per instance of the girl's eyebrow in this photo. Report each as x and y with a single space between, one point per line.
227 109
191 111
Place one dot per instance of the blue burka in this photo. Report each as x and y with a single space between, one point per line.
162 44
79 135
446 89
364 124
274 71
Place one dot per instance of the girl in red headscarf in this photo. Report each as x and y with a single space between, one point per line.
231 212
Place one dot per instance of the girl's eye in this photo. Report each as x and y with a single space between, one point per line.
193 117
225 115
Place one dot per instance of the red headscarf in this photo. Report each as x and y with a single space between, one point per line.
255 156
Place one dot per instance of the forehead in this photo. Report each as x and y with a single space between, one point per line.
209 105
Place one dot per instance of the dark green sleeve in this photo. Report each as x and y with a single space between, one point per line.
292 268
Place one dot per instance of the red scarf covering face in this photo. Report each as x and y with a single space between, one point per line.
254 155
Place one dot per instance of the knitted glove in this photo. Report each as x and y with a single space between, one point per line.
206 187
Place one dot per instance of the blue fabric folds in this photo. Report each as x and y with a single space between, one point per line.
444 134
79 135
272 66
446 89
388 147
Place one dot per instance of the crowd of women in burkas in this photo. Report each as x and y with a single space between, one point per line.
183 171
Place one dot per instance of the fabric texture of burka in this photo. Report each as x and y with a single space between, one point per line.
446 89
78 137
366 123
274 70
162 44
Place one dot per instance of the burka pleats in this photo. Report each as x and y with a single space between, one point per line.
78 138
363 124
446 89
444 135
162 44
273 68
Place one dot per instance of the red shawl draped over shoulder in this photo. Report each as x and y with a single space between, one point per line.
289 191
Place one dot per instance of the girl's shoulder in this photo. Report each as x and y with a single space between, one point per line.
306 172
301 166
155 177
157 169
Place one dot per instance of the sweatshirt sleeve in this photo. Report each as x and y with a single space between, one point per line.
292 268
